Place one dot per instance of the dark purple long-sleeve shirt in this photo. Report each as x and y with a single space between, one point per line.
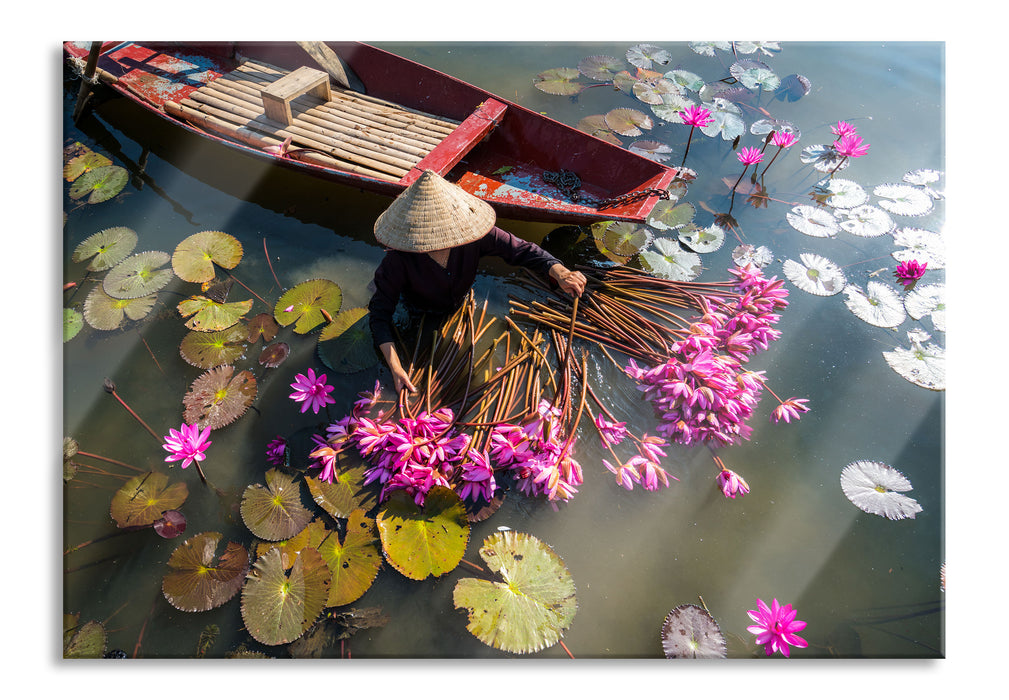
427 286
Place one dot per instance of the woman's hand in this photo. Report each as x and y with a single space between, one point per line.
571 282
399 376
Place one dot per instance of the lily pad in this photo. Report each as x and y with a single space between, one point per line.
210 315
424 542
627 122
218 397
671 262
921 245
708 48
100 184
813 221
823 158
80 159
107 248
652 150
655 93
793 88
762 127
199 580
748 254
595 125
923 364
866 221
312 535
533 604
194 258
207 350
73 322
559 81
85 641
904 200
264 326
345 495
621 240
727 120
600 67
142 499
879 305
685 79
138 275
670 214
274 512
274 354
702 240
279 602
878 488
928 300
354 561
815 274
672 108
107 313
689 632
171 524
841 193
345 345
754 75
303 304
647 55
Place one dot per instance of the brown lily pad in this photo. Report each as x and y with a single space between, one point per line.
218 397
142 499
196 582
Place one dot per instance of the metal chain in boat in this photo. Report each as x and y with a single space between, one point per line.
569 183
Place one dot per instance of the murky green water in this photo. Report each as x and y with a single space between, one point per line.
867 586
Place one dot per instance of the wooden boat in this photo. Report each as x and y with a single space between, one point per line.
275 100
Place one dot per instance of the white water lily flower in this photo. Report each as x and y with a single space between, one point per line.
812 221
904 200
880 304
876 488
928 300
921 245
866 221
922 364
815 274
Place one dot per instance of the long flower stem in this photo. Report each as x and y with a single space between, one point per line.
688 145
733 200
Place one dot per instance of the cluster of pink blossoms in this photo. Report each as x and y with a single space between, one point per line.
702 393
535 455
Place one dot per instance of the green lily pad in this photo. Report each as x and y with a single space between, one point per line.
668 215
424 542
754 75
194 258
685 79
280 603
138 275
79 159
533 605
645 55
672 107
100 184
106 313
354 562
218 397
600 67
727 120
345 345
210 349
210 315
196 582
142 499
655 93
671 262
595 125
702 240
312 535
559 81
274 512
306 302
627 122
345 495
108 248
689 632
85 641
73 321
621 240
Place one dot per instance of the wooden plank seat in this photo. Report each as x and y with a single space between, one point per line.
263 105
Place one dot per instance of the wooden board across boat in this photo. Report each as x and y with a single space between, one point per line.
273 100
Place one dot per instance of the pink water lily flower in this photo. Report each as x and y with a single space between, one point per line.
776 627
276 451
611 433
311 391
851 146
783 139
789 409
749 156
842 129
732 484
696 116
188 443
909 272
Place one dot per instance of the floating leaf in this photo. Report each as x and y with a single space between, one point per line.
621 240
812 221
880 305
762 127
199 580
671 109
100 184
278 607
345 495
921 245
928 300
108 248
273 355
559 81
726 120
707 48
702 240
655 93
878 488
671 262
670 214
533 605
216 398
754 75
306 302
73 321
840 193
768 48
685 79
85 641
263 325
652 150
595 125
747 254
346 345
600 67
421 542
354 562
171 524
107 313
689 632
142 499
627 122
903 200
922 364
210 315
138 275
923 178
81 159
793 88
194 258
815 274
866 221
207 350
274 512
645 55
823 158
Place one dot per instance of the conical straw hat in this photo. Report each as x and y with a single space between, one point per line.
432 214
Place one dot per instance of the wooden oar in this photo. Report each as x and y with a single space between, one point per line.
336 68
